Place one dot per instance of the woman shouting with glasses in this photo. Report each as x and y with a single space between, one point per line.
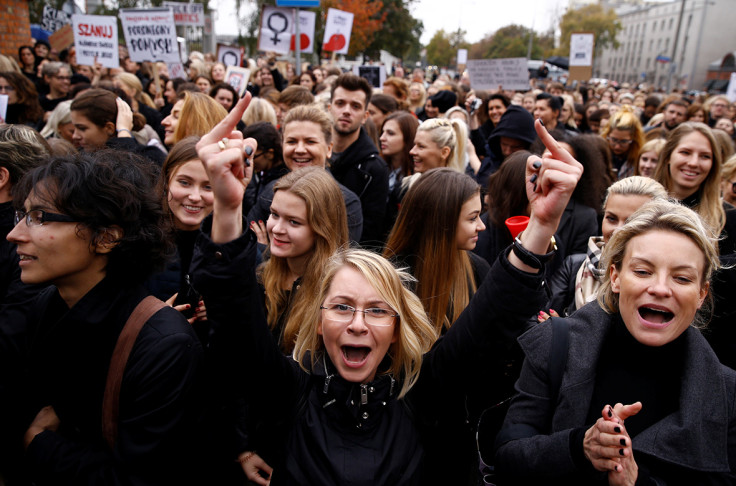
350 406
90 226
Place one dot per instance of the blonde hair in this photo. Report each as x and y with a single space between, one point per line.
636 186
710 207
626 120
199 114
327 218
448 133
310 113
659 215
414 331
656 145
729 168
259 110
132 82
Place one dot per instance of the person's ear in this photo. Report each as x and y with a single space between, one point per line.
108 239
269 154
4 180
329 150
615 281
109 128
445 151
703 294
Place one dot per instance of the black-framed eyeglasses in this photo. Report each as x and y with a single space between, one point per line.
37 217
618 141
63 78
375 316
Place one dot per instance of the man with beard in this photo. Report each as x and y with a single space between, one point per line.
355 162
674 113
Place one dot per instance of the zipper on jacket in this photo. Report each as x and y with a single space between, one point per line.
363 394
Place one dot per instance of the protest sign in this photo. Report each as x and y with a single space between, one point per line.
176 70
3 107
511 73
462 56
229 55
581 49
306 32
96 37
338 27
53 20
237 77
375 75
277 25
150 34
187 13
62 38
731 90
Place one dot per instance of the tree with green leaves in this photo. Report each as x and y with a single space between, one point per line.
442 48
593 18
400 32
512 41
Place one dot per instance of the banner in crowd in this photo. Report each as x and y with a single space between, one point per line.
62 38
150 34
376 75
237 77
511 73
53 20
96 38
731 90
462 56
191 14
306 32
176 70
277 27
229 55
3 107
581 49
338 27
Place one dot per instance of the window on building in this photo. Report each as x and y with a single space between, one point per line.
667 45
671 22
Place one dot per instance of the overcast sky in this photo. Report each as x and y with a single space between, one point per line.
477 17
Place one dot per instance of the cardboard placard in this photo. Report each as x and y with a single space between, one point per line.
191 14
237 77
96 38
376 75
277 27
53 20
62 38
150 34
176 70
229 55
581 49
511 73
306 32
338 27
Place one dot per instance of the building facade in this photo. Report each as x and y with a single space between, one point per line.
668 43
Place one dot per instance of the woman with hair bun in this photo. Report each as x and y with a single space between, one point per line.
102 120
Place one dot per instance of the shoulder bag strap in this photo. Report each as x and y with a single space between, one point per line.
111 400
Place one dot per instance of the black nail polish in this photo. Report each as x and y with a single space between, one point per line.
621 452
610 413
623 442
540 121
249 150
247 163
537 164
533 179
535 187
617 430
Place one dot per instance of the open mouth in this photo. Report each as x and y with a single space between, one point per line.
355 355
655 316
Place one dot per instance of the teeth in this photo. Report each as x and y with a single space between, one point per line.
26 257
192 208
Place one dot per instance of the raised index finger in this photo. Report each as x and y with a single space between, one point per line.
551 144
228 124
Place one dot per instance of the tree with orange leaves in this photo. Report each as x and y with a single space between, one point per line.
368 19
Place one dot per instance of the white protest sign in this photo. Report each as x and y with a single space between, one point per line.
176 70
511 73
731 91
277 25
376 75
338 27
3 107
228 55
96 37
581 49
53 20
306 32
150 34
462 56
187 13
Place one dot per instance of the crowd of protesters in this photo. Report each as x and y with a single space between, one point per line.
339 296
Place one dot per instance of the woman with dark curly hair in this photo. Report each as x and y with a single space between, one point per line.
92 227
23 105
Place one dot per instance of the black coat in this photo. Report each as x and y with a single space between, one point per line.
360 169
330 437
68 355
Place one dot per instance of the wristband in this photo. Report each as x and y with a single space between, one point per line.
532 259
124 130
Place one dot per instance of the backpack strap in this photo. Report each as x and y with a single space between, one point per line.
111 400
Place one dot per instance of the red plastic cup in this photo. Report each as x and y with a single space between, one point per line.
517 224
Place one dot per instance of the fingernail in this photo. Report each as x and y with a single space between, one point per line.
623 442
249 150
247 162
617 468
533 179
535 187
188 306
617 430
260 221
621 452
537 164
610 412
540 121
252 223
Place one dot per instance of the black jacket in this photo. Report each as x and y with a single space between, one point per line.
360 169
129 144
68 355
332 436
